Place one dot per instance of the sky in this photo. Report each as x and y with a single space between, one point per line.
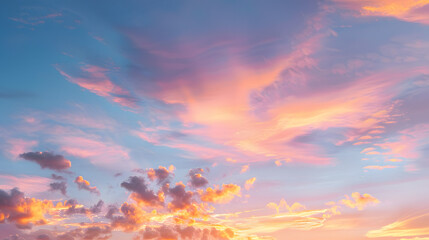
214 120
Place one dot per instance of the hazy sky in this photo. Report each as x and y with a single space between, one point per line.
214 119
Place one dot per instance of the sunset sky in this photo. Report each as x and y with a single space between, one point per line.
214 120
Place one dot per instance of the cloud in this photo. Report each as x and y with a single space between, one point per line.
197 179
59 186
376 167
133 217
27 184
220 195
47 160
359 201
410 227
57 177
141 193
87 233
244 168
284 206
72 207
161 174
23 211
17 146
95 80
409 11
249 183
189 232
182 199
84 185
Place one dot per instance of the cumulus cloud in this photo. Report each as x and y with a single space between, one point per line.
182 199
47 160
59 186
197 179
359 201
23 211
220 195
284 206
72 207
141 193
132 217
85 185
160 174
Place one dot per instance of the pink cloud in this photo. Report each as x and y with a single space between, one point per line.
97 81
25 183
17 146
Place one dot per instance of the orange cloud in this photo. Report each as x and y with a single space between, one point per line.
161 174
359 201
284 206
411 227
244 168
405 10
23 211
84 184
220 195
249 183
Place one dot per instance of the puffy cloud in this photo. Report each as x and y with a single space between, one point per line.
72 207
284 206
133 217
220 195
23 211
182 199
141 193
85 185
59 186
47 160
197 179
160 174
359 201
415 226
249 183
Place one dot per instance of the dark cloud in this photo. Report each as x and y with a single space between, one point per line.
75 208
84 185
141 193
47 160
57 177
59 186
197 179
97 207
24 212
43 237
132 217
160 174
181 198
